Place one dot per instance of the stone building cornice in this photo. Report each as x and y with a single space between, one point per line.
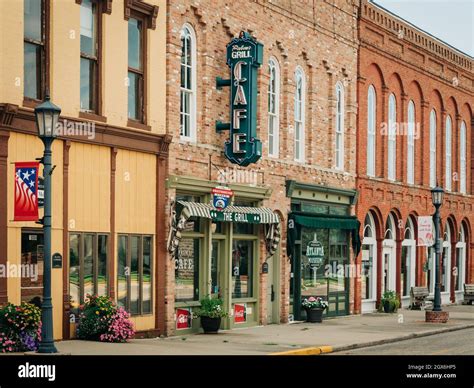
19 119
382 18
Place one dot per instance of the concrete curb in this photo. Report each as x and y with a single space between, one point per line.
398 339
312 351
317 350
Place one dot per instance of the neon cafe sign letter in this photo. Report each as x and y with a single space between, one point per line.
244 57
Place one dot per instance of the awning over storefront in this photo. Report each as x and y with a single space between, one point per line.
329 222
253 215
321 221
182 211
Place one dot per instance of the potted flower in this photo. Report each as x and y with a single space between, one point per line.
211 313
314 308
390 302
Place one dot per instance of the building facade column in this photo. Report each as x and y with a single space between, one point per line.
66 301
4 136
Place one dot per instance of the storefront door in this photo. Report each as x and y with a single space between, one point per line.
271 290
320 268
337 280
215 268
388 269
32 260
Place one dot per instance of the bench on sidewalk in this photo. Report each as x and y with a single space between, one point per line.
419 298
468 293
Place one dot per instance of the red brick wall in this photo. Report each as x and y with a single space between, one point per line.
396 58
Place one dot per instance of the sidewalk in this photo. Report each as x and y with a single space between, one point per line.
332 335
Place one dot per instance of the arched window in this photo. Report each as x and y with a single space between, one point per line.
462 157
408 259
273 108
392 141
369 228
448 156
188 84
371 123
299 114
339 154
390 228
411 144
369 265
433 148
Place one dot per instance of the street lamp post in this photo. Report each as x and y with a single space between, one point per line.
47 115
437 198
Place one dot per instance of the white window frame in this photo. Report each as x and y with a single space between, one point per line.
389 247
339 135
411 143
448 167
372 242
300 82
446 263
462 158
273 108
371 133
433 131
187 31
410 243
461 260
392 139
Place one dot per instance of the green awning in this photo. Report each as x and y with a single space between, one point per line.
323 222
244 214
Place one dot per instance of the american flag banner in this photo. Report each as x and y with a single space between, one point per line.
26 191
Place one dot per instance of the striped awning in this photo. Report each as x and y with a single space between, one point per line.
253 215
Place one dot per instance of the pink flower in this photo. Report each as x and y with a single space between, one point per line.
311 299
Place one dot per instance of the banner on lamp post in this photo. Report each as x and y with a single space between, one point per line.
425 231
26 191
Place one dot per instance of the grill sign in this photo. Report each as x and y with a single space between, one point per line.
244 57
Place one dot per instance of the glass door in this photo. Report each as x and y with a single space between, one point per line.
215 268
337 282
386 270
320 270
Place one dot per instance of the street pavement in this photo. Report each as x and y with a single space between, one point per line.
336 334
459 342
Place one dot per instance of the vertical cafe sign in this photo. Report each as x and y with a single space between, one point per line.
244 57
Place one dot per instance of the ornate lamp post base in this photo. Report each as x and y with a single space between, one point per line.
436 316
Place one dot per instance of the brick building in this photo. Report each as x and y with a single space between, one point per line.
410 78
306 121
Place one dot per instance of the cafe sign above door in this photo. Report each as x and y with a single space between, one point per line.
244 57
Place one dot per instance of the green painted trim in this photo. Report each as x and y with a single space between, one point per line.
195 185
292 186
193 235
244 300
276 304
193 303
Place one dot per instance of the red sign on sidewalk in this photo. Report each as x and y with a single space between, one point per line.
240 313
26 191
183 319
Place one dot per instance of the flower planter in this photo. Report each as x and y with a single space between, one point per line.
389 307
314 315
210 325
